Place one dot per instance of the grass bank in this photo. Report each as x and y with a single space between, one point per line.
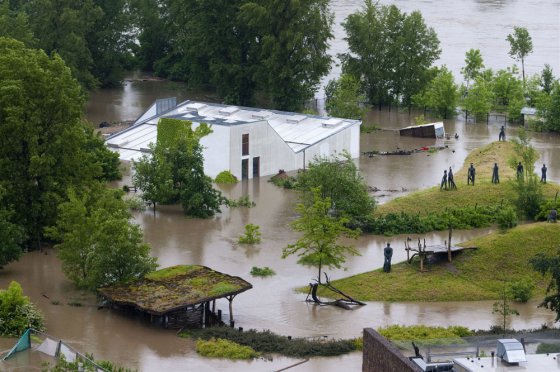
473 275
484 193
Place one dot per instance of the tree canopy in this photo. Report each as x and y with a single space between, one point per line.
441 94
44 146
98 245
473 65
521 45
321 230
390 52
344 98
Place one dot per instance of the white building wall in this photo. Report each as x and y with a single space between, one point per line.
216 150
348 139
264 143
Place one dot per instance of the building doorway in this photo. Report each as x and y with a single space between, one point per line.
244 169
256 167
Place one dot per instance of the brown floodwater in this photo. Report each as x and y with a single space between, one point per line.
272 303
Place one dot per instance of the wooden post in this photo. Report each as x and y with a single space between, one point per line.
213 306
230 299
449 258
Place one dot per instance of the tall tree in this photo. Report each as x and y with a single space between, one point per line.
44 146
11 235
473 65
293 39
98 245
549 265
390 52
339 180
521 45
344 99
14 24
150 17
508 92
441 94
478 101
319 245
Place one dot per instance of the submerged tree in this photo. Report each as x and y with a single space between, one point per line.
441 94
321 230
521 45
344 98
549 265
45 148
473 65
174 173
98 245
338 179
390 52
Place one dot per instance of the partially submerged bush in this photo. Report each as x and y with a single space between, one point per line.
262 271
252 235
225 177
135 203
243 201
545 348
17 313
521 290
220 348
268 342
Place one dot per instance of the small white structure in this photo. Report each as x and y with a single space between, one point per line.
249 142
431 130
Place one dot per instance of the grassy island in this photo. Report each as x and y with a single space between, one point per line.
484 193
473 275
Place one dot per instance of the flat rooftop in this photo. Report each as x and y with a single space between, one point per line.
535 363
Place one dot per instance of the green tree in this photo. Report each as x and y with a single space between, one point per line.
339 180
174 173
293 39
44 146
503 307
98 245
547 79
521 45
478 101
549 108
154 37
473 65
390 52
344 99
11 235
252 234
14 24
318 246
527 186
17 313
549 265
441 94
508 92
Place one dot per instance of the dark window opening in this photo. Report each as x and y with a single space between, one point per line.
245 144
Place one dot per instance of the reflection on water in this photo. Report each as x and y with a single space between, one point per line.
272 303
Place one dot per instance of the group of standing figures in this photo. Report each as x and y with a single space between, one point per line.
447 180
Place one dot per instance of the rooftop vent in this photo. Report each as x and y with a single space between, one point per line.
123 143
195 106
261 114
294 119
331 123
228 110
510 350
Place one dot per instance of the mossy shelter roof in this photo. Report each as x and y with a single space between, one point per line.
174 288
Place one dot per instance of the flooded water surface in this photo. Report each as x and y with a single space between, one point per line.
273 303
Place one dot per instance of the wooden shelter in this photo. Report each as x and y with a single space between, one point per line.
178 296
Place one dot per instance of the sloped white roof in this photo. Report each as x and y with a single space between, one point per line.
299 131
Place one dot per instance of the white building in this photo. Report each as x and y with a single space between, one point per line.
249 142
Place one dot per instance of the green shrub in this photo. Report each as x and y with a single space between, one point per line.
243 201
226 177
17 313
425 335
283 180
262 271
268 342
521 290
252 235
369 128
544 348
220 348
506 218
135 203
545 208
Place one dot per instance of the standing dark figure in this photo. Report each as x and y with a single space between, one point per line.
444 181
388 253
543 173
502 136
450 179
471 174
519 170
495 176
